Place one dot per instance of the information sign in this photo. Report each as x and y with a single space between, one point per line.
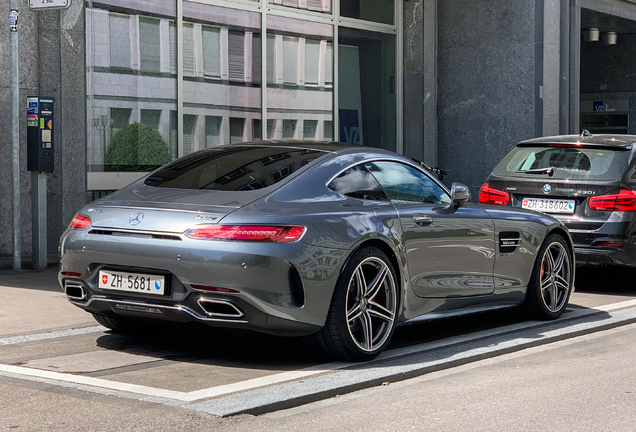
49 4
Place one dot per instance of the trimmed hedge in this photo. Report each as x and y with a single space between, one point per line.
138 148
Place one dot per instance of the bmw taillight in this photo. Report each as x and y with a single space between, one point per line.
488 195
257 233
80 222
625 200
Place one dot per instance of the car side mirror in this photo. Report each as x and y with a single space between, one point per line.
459 194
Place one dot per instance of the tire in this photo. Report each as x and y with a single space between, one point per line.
552 280
117 324
360 322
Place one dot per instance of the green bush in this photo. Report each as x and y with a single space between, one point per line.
136 147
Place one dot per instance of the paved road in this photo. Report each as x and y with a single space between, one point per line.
148 382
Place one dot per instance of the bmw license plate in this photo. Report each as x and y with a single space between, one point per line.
132 282
549 205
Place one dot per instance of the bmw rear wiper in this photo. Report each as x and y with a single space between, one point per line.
548 171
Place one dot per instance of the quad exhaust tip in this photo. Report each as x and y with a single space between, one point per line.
220 308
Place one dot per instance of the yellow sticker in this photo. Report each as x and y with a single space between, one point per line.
50 124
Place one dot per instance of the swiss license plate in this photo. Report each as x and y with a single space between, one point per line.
549 205
132 282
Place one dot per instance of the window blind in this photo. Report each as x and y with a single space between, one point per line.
119 40
188 49
149 44
173 48
290 60
212 51
236 56
312 61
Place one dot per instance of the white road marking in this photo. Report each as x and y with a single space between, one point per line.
266 380
50 335
90 381
616 306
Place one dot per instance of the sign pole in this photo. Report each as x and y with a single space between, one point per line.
15 134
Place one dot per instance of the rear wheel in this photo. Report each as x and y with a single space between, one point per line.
115 323
363 310
552 280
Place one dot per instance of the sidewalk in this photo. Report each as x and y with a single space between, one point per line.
37 296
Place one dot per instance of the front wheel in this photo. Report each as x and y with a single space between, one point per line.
363 310
551 281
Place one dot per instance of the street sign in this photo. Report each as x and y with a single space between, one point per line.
49 4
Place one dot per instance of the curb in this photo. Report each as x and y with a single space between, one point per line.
362 376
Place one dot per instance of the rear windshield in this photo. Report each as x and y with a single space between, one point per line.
567 162
232 169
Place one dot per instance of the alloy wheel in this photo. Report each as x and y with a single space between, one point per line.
371 304
555 277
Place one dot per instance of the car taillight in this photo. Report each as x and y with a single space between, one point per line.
278 234
488 195
80 222
625 200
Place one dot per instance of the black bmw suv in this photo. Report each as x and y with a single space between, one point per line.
588 182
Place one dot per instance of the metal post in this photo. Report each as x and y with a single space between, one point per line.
15 134
38 209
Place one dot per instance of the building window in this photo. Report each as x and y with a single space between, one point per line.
213 131
289 129
312 5
151 118
312 61
309 129
173 47
237 130
174 132
119 40
189 127
149 44
222 64
328 130
212 51
236 56
290 60
188 49
120 118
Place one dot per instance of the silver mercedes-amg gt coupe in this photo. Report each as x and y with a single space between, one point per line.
336 243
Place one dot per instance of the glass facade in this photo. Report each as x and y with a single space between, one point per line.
166 78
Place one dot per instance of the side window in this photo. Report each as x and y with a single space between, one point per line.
405 184
357 182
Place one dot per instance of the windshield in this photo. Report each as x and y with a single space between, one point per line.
578 163
232 169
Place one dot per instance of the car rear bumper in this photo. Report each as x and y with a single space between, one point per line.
215 311
282 289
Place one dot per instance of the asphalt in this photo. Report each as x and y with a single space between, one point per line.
45 339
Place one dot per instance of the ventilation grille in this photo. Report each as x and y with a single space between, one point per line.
509 241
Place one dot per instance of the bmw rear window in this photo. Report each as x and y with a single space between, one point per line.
571 162
233 168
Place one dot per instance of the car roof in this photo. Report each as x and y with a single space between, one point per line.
602 140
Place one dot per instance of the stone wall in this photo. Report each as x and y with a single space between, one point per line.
487 83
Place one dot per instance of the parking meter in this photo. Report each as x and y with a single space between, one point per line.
40 133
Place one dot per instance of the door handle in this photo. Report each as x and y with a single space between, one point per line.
422 219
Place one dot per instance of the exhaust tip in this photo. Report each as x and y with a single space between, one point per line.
220 308
74 291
